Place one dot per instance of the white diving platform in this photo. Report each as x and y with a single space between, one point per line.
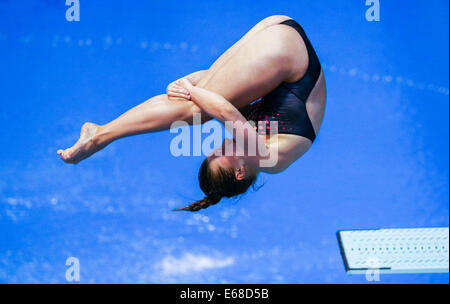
417 250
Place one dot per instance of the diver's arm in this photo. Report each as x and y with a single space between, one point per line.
218 107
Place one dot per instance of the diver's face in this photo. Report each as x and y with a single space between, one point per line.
225 156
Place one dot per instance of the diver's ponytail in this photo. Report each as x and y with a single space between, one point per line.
201 204
217 184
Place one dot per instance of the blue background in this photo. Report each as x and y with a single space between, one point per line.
380 160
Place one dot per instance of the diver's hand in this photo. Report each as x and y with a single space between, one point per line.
176 92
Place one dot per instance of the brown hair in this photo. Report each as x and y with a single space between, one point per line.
216 185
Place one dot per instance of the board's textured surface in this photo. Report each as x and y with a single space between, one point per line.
423 250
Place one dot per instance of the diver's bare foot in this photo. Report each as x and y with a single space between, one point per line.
84 147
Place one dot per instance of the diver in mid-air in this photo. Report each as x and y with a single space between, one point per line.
275 65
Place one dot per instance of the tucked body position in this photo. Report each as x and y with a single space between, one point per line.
272 74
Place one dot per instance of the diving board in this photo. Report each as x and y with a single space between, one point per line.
417 250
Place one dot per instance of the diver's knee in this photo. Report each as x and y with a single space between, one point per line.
194 111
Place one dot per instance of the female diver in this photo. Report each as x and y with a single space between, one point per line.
275 65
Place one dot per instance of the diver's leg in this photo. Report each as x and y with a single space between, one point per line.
156 114
260 26
258 66
251 71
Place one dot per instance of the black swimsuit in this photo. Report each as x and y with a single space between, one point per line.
286 104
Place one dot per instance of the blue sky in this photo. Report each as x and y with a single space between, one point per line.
380 160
